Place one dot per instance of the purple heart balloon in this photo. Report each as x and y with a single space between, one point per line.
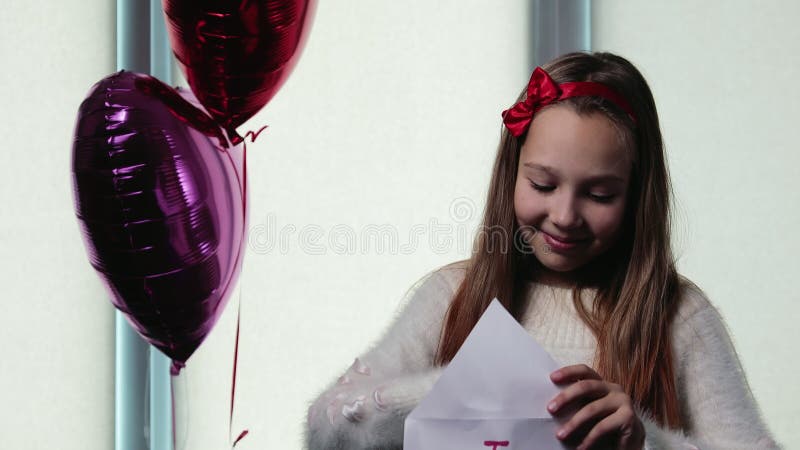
161 207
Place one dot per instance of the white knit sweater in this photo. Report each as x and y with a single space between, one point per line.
365 408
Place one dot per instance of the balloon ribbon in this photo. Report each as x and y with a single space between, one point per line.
253 136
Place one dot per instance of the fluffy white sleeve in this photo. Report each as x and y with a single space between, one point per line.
716 400
365 408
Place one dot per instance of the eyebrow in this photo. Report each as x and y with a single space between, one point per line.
553 171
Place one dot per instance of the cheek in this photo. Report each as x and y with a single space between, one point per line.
524 206
607 223
519 204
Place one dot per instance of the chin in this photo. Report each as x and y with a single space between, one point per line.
556 263
561 268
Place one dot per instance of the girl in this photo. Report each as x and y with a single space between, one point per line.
576 245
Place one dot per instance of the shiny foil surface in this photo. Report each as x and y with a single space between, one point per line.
161 207
237 54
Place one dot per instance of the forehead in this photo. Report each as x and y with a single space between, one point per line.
563 143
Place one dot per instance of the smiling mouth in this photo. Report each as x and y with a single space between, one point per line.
564 240
568 241
553 244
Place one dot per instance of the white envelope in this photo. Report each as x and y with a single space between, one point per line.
492 395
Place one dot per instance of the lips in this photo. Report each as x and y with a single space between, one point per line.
566 244
565 240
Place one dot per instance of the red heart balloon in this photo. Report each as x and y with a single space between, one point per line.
161 208
237 54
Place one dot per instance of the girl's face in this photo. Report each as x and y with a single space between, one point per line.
572 181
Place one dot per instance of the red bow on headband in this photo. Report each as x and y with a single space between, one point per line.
543 91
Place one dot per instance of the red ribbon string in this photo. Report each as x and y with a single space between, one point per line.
253 136
233 385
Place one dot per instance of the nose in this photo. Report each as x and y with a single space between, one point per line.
564 212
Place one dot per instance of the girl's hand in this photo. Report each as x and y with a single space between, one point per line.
605 411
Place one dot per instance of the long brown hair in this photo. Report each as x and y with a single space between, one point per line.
636 280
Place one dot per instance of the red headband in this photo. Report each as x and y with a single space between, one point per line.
543 91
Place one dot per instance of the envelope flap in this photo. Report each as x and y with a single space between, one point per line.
499 372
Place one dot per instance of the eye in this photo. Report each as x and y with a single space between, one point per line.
601 198
541 188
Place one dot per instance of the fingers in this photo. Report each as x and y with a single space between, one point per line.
573 373
620 425
607 412
590 413
584 390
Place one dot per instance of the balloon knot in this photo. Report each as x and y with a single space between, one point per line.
233 136
176 367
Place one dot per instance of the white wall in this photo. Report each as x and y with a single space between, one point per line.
724 75
56 323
